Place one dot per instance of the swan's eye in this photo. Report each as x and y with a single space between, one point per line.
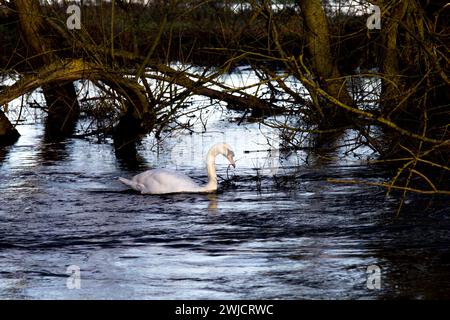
230 155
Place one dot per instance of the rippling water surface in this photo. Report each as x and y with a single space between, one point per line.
275 230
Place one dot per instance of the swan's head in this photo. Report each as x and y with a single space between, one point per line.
224 149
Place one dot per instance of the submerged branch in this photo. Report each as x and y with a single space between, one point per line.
389 186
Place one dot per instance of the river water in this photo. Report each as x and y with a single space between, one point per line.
276 229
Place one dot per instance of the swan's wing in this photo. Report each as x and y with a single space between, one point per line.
159 181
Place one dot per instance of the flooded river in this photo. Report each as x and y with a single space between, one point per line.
276 229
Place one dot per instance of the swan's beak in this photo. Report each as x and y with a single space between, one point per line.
230 155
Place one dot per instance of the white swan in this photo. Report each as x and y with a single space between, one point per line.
161 181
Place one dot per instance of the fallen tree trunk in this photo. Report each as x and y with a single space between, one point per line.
78 69
72 70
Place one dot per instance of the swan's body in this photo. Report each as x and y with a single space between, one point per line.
161 181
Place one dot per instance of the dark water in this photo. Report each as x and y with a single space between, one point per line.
291 236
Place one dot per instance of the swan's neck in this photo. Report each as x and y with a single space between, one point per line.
211 170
